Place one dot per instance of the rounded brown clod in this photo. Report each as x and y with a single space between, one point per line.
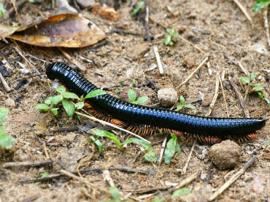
167 97
225 155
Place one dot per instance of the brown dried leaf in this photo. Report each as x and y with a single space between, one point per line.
7 30
105 12
64 30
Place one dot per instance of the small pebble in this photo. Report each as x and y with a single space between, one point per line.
225 155
167 97
85 3
10 102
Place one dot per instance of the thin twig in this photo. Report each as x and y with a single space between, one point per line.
193 45
89 171
244 70
244 11
27 164
223 94
107 178
46 150
192 73
4 83
215 95
163 146
111 125
188 159
159 63
266 24
183 183
72 60
227 184
240 98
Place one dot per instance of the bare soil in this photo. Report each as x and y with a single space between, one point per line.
218 28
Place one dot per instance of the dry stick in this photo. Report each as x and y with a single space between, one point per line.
240 98
244 11
107 177
187 41
191 75
4 83
266 24
246 72
111 125
183 183
159 63
233 178
163 146
223 94
46 150
27 164
72 60
215 95
188 159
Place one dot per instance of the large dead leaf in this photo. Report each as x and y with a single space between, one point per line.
7 30
64 30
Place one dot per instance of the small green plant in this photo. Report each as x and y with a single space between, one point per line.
181 192
149 156
2 10
115 194
138 8
260 4
172 148
134 99
171 37
6 141
68 100
182 104
254 87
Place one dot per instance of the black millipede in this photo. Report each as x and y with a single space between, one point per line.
143 119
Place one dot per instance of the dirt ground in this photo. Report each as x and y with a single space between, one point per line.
215 28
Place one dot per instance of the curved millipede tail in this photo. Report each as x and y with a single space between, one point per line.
135 115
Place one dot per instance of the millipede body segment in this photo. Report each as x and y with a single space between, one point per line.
204 129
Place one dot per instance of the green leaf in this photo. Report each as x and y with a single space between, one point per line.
142 100
267 101
245 80
69 95
257 87
95 93
42 107
132 95
150 156
190 106
137 141
158 199
69 107
56 99
171 148
107 134
3 114
6 141
61 89
2 10
98 143
115 193
79 105
168 40
54 111
252 76
43 174
260 4
139 7
181 192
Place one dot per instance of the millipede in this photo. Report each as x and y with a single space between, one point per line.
145 120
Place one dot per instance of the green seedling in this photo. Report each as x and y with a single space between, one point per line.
6 141
66 100
181 192
172 148
171 37
138 8
115 194
182 104
2 10
260 4
134 99
254 87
